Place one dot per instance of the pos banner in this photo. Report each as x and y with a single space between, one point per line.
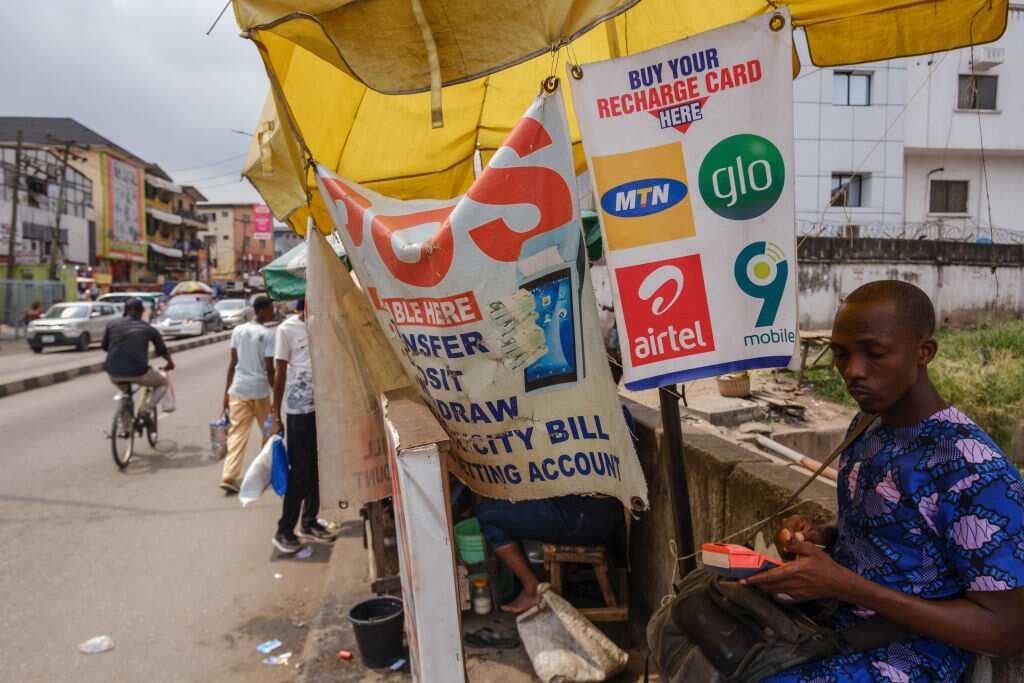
487 299
262 222
690 147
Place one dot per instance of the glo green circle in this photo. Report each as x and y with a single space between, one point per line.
742 177
762 270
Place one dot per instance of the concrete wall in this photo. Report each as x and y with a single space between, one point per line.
967 282
730 488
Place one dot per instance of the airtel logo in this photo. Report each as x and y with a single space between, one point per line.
655 281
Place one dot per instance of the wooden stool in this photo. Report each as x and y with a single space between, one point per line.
617 607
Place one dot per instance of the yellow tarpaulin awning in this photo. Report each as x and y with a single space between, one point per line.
330 61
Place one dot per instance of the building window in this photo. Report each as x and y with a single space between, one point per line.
977 92
223 214
948 196
847 190
851 89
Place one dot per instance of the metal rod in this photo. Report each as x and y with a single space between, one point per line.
679 492
13 238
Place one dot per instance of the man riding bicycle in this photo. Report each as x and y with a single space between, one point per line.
126 342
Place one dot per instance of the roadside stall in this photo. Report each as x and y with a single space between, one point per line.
465 346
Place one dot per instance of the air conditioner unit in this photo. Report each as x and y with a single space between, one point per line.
987 57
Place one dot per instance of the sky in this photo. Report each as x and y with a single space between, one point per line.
144 75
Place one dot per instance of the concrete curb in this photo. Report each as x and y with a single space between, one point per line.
48 378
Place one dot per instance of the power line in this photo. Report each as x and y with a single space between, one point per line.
212 163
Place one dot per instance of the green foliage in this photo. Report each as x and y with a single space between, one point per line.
980 371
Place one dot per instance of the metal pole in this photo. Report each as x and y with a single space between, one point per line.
13 238
55 236
679 492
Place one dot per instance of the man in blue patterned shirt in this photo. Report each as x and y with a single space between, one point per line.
930 529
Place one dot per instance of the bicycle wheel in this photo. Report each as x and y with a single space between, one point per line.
151 427
122 436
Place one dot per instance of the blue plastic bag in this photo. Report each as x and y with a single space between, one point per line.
279 467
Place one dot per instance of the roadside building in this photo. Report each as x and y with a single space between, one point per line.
285 239
118 199
243 234
175 230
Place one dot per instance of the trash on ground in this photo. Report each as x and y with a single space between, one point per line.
268 647
96 645
305 553
278 660
344 654
397 666
487 637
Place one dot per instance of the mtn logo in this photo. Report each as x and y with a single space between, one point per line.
643 197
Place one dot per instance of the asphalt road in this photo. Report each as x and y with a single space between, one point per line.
180 576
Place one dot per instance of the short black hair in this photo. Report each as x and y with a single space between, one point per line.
133 306
910 301
260 302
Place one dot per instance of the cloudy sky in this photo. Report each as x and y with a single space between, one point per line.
143 74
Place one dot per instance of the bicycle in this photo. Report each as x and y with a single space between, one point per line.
129 422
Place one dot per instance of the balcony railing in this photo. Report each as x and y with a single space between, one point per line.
930 230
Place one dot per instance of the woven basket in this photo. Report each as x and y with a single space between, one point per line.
734 386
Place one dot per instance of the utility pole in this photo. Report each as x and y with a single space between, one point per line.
55 235
12 242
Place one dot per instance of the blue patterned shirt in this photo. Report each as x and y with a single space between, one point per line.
933 510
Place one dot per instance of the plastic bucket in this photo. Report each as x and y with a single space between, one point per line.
469 540
378 624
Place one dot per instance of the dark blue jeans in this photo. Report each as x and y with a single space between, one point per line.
576 520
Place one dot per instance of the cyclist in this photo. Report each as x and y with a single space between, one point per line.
126 342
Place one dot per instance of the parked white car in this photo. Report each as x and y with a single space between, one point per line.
76 324
150 301
233 311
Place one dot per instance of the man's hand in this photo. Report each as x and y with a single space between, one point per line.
275 425
169 366
227 401
814 574
799 529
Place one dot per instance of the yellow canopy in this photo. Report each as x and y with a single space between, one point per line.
329 62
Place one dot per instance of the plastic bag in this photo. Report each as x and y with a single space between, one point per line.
219 437
260 472
168 404
563 645
279 467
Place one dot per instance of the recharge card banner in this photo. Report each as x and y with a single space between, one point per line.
691 151
488 301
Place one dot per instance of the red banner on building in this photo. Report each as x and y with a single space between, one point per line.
262 222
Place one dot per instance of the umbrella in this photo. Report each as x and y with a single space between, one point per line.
479 64
285 276
191 287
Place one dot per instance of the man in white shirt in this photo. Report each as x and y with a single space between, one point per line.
247 396
293 375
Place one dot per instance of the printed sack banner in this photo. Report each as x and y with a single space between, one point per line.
690 148
487 300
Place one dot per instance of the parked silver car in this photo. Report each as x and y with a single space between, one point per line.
76 324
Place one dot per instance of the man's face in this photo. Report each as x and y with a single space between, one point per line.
879 356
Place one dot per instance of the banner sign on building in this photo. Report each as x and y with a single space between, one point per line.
487 299
262 222
690 148
124 223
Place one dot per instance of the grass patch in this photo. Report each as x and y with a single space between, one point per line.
980 371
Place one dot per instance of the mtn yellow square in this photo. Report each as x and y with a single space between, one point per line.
643 196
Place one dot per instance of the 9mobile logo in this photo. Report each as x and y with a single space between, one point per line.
761 271
742 177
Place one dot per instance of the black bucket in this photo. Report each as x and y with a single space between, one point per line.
379 624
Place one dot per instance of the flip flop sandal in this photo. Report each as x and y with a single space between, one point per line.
487 637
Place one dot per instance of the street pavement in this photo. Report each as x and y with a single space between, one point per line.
180 576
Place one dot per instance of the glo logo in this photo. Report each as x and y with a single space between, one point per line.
762 272
742 177
643 197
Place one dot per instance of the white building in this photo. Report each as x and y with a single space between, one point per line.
895 147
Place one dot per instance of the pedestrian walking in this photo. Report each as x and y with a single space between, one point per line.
293 387
247 391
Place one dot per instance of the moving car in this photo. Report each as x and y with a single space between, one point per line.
233 311
76 324
188 318
150 301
